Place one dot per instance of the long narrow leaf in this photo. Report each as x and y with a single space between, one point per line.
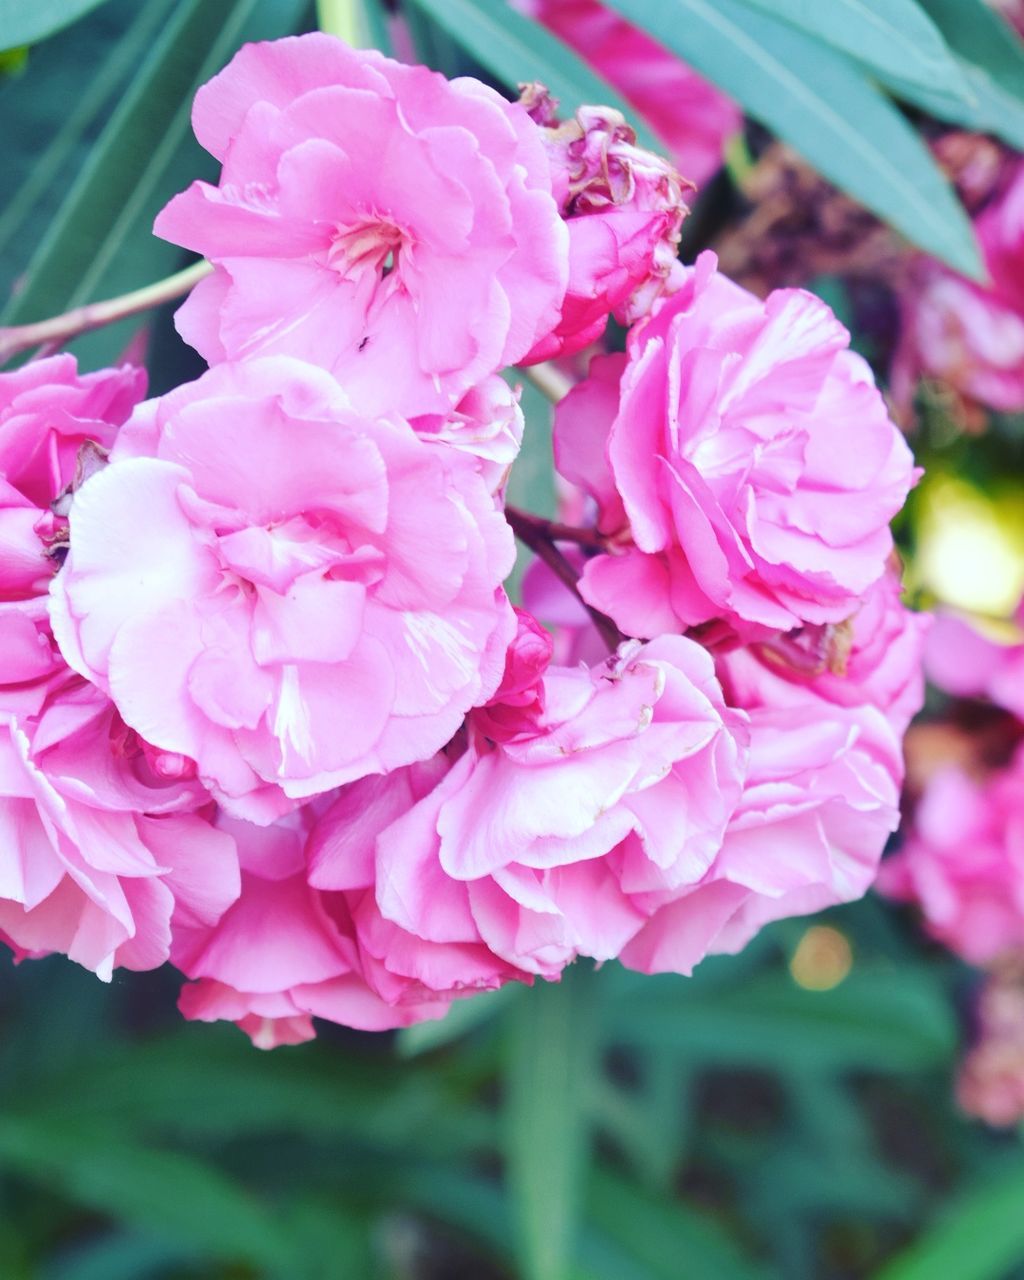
979 1238
173 1194
23 22
551 1051
514 48
821 103
894 38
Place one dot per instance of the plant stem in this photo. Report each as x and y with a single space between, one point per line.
538 535
551 1053
94 315
549 381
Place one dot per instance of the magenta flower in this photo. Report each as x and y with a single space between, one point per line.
624 207
820 801
962 864
754 459
250 581
101 854
971 335
563 824
283 953
373 218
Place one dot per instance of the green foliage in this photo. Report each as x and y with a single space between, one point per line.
22 23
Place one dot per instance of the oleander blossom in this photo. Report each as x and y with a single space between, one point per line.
962 864
283 953
691 116
967 334
55 425
102 850
873 658
376 219
578 803
820 801
285 592
745 465
624 207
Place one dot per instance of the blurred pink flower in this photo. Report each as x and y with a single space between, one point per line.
376 219
101 854
820 800
624 207
970 335
962 863
251 582
966 663
692 117
569 817
755 462
283 953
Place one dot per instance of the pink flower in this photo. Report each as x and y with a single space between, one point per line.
284 592
692 118
754 459
873 658
971 335
283 953
101 855
624 207
564 823
393 227
487 424
51 419
990 1083
963 862
967 663
820 801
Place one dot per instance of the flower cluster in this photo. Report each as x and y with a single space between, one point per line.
267 710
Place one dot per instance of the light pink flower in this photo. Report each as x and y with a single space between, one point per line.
51 417
990 1082
567 819
963 862
874 658
624 207
283 953
487 424
820 800
692 117
754 459
100 852
376 219
287 593
970 335
965 662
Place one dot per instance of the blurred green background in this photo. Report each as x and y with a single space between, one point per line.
785 1113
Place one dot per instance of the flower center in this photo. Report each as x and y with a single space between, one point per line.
366 246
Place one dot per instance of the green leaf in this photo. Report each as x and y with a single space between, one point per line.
661 1233
877 1019
50 164
100 243
893 38
168 1192
815 99
550 1055
978 1237
514 49
992 57
22 22
991 108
